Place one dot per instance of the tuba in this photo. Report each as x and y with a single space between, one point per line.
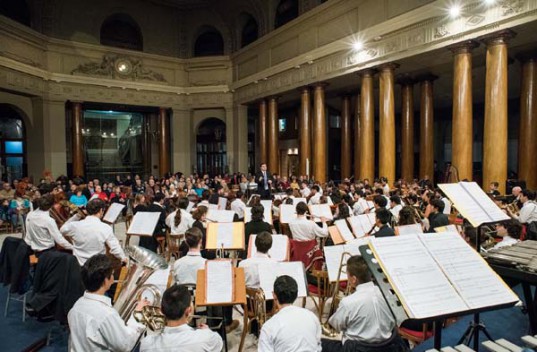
142 264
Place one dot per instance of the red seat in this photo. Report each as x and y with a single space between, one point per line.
416 334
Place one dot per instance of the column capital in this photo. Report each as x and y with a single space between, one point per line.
497 38
390 66
304 89
464 47
368 72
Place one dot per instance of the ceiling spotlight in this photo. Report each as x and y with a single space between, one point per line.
490 2
455 11
357 46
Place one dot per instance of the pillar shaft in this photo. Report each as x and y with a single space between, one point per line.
273 159
387 123
319 133
263 132
367 127
77 144
357 131
346 132
407 131
305 132
164 142
426 130
527 141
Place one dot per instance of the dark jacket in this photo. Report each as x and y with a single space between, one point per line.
15 264
437 220
255 227
384 231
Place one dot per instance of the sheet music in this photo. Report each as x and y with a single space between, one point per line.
279 250
298 200
220 216
219 286
190 207
365 221
491 208
332 256
287 213
268 273
478 285
222 203
212 206
356 226
113 212
160 279
321 210
370 204
413 229
224 235
363 204
144 223
329 201
344 230
267 206
419 282
448 228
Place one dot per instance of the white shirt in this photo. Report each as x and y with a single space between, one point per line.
251 268
315 199
447 206
292 329
505 242
186 269
528 212
305 192
238 207
90 236
305 230
364 316
386 190
360 206
96 326
42 232
395 211
183 338
186 222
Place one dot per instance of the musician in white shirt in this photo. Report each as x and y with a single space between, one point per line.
41 230
395 206
363 318
177 308
263 243
315 196
238 205
304 191
95 325
292 329
509 231
186 269
528 212
360 204
180 220
91 236
303 229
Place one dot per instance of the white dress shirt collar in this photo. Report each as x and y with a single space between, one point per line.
99 298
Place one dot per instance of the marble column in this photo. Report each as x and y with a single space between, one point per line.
387 122
462 128
407 129
304 132
164 142
319 133
527 140
427 128
77 140
496 96
367 127
273 158
357 131
263 132
346 132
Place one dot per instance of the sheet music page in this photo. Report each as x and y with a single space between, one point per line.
329 201
144 223
219 287
370 204
113 212
298 200
333 257
160 279
344 230
372 218
268 273
224 235
267 206
287 213
413 229
356 226
465 204
247 214
448 228
190 207
478 285
419 282
222 203
321 210
279 249
363 204
220 216
491 208
365 222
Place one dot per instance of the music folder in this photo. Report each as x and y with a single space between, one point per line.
269 272
287 213
112 213
219 281
225 235
321 210
279 250
143 223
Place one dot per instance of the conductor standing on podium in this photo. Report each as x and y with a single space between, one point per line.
264 182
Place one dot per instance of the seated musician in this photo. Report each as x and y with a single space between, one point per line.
160 230
314 196
263 243
509 231
256 225
177 308
237 204
360 204
91 236
407 216
395 206
379 193
95 325
364 318
382 218
436 217
493 189
292 329
528 212
180 220
303 229
186 269
42 233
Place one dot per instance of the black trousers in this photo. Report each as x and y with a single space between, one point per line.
393 344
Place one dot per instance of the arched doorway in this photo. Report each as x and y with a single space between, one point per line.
12 144
121 31
211 149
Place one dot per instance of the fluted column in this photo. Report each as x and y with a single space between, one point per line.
462 128
263 132
387 122
495 129
527 141
357 131
319 133
346 131
407 130
427 128
305 132
367 127
273 158
77 142
164 142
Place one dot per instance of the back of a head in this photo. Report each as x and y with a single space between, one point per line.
182 203
301 208
395 199
158 197
437 203
257 212
357 267
200 211
380 201
193 237
286 289
95 271
263 242
175 301
46 202
529 194
94 206
383 215
514 228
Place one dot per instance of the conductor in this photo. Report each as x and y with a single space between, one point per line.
264 182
